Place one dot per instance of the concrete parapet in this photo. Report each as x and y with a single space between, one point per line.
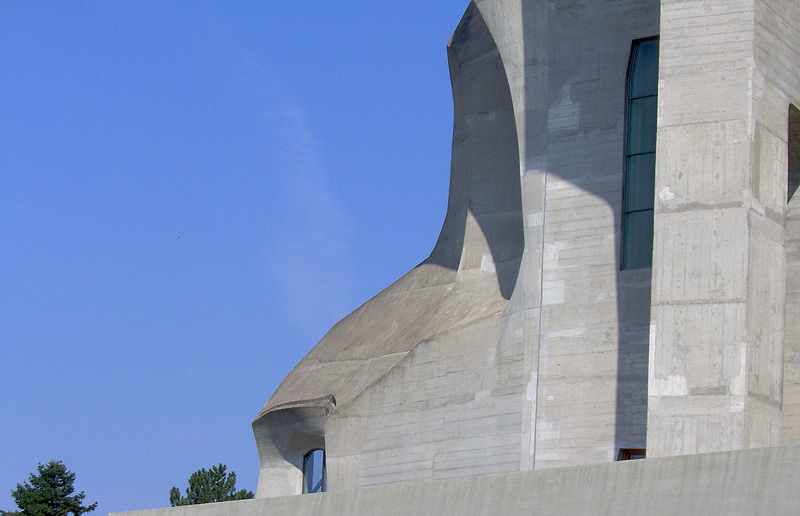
748 482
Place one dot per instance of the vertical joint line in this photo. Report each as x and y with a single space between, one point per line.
539 329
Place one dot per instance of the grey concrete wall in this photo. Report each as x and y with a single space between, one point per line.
584 323
452 406
750 482
540 342
519 344
791 367
716 350
593 326
776 85
491 396
467 280
698 350
777 51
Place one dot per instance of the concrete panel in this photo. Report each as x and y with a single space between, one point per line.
705 61
698 255
720 150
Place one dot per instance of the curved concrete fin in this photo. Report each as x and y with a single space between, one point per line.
473 268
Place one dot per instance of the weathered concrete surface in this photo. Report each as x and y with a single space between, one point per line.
727 74
778 46
518 344
587 320
465 283
791 366
750 482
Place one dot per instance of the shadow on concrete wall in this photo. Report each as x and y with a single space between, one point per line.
552 64
484 177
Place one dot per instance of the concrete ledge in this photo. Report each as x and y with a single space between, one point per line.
760 481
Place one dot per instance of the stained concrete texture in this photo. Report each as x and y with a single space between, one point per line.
518 344
521 343
791 358
750 482
727 76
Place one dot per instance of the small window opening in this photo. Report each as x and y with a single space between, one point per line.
640 155
794 152
314 474
631 454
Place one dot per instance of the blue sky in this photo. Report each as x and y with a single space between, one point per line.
191 194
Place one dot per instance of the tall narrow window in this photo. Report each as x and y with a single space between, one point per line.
640 155
314 474
791 321
794 152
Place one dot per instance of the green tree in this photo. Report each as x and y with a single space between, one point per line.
49 493
207 486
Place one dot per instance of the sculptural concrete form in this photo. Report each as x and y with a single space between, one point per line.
524 342
521 343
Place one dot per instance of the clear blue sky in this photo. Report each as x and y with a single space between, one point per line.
191 194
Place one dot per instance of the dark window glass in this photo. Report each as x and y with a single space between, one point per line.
645 81
639 182
639 231
640 154
642 125
794 152
314 473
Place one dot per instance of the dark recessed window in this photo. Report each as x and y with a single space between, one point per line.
794 152
314 475
640 155
630 453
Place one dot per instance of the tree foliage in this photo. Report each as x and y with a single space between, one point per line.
49 493
207 486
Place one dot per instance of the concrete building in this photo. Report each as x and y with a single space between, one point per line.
618 273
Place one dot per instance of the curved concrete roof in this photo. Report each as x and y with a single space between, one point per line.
474 266
366 344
